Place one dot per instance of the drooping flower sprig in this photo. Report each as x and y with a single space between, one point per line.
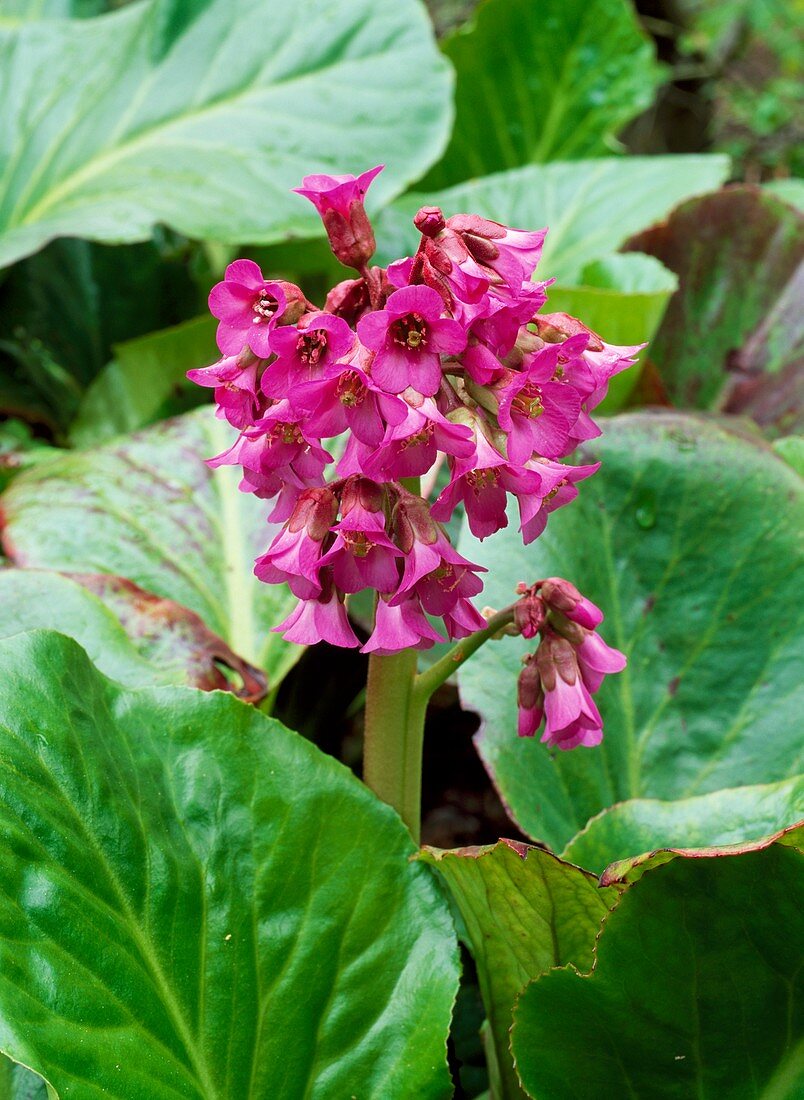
444 356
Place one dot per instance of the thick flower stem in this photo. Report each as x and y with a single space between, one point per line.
394 732
396 708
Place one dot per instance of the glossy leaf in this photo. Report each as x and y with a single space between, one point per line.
730 816
132 636
148 509
689 539
176 111
537 83
737 312
791 449
525 912
130 391
697 990
198 903
590 207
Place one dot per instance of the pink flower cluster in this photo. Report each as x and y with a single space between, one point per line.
442 357
558 681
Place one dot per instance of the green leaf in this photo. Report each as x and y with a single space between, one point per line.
590 207
697 990
132 636
537 84
148 509
737 313
624 297
130 391
789 190
689 539
525 911
791 449
198 903
63 310
183 112
18 1083
731 816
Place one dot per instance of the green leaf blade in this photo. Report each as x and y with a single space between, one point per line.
147 508
186 120
525 912
536 84
697 990
589 206
211 883
688 538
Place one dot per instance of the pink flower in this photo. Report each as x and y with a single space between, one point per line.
236 389
401 625
444 581
363 556
537 414
561 492
530 698
493 333
322 619
408 338
483 481
560 595
294 556
339 201
347 398
410 448
597 660
248 307
509 255
571 717
303 352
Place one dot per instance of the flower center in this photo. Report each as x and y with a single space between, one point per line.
420 437
358 543
285 433
311 346
351 390
528 402
479 480
264 307
410 331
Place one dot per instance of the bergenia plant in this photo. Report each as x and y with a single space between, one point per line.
442 362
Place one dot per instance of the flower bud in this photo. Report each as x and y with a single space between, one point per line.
529 615
562 596
530 698
412 522
296 305
315 511
429 221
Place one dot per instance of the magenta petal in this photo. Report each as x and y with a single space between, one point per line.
245 272
416 299
231 302
392 369
447 337
372 329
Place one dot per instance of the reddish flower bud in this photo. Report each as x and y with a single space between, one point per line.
529 615
429 221
565 597
339 201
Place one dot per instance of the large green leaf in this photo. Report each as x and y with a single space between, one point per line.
196 902
201 114
739 256
689 538
148 509
730 816
132 636
538 82
525 912
589 206
697 990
